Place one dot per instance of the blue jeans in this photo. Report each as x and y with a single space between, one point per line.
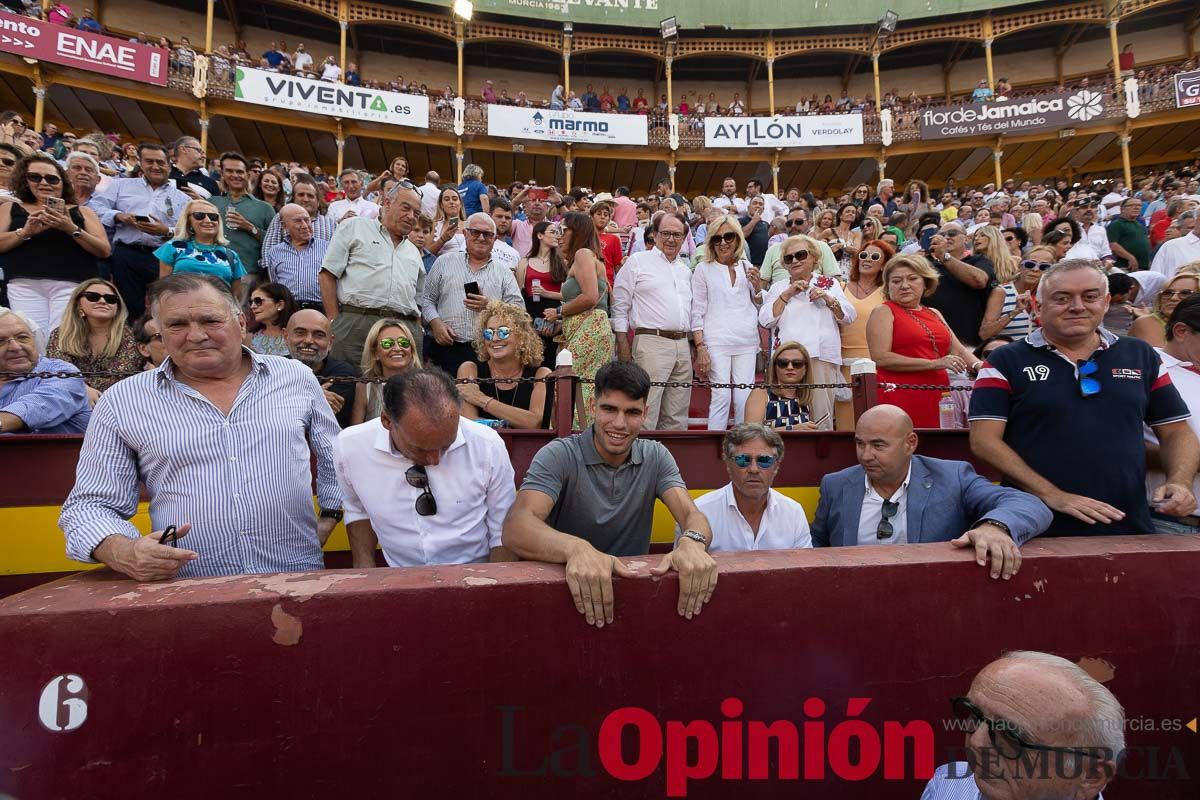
1166 524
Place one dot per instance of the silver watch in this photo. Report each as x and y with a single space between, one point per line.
695 536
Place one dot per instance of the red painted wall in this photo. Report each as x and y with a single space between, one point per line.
395 683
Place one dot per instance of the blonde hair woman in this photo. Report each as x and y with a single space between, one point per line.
785 403
200 246
1152 327
1033 225
387 351
1010 306
509 352
725 301
94 337
988 241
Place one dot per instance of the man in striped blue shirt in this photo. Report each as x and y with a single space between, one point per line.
296 260
221 438
1038 728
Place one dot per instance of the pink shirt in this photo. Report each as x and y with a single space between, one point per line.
625 213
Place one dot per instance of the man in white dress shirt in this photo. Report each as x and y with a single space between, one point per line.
729 199
1175 253
772 206
428 485
1037 727
429 192
653 293
353 204
746 513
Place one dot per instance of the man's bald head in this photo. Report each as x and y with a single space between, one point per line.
309 337
885 442
296 223
309 318
886 418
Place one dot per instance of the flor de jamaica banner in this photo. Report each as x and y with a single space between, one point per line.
1021 115
331 99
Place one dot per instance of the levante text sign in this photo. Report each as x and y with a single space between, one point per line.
816 131
566 126
331 99
58 44
1022 115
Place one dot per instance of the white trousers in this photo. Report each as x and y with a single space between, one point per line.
728 368
42 301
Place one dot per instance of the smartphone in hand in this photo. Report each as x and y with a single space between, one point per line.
472 288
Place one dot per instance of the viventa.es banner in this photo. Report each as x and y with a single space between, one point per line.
331 99
566 126
822 130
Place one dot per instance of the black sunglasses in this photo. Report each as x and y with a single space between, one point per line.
729 237
792 223
37 177
791 363
211 216
96 297
8 162
799 255
426 504
1006 737
885 530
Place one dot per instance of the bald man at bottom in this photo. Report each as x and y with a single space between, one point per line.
895 497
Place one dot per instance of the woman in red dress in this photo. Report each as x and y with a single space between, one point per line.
911 343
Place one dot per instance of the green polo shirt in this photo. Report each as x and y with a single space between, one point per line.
1131 235
772 269
246 244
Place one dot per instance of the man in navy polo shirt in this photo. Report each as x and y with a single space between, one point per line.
1060 414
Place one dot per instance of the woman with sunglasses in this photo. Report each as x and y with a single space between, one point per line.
864 290
1010 306
860 196
9 156
509 352
1017 241
50 243
200 245
911 343
725 301
849 234
387 351
1152 327
271 306
809 308
785 402
94 337
448 224
535 276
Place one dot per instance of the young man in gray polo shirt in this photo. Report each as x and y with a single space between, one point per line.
589 498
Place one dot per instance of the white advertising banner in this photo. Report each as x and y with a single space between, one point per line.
330 99
566 126
823 130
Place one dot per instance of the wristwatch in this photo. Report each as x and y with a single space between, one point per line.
695 536
332 513
77 232
997 524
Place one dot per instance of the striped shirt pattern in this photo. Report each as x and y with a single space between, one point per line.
322 226
297 269
244 481
1020 325
443 293
956 782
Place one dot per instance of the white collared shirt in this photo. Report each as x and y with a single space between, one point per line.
1187 381
362 207
784 524
872 513
473 484
1094 237
811 324
504 254
1174 254
429 197
725 311
739 203
652 292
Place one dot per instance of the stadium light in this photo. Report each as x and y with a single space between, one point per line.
568 29
463 9
887 24
669 28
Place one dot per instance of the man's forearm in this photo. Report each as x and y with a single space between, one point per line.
696 521
362 543
328 285
11 423
972 276
1180 455
533 540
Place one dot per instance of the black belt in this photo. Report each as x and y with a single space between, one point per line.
377 312
144 248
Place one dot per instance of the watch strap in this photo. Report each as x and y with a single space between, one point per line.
996 523
694 536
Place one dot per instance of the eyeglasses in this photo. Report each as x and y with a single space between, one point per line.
1006 736
399 341
37 177
791 363
256 301
502 333
885 530
96 297
1182 293
864 255
671 234
1089 386
1010 238
8 162
729 237
795 223
426 503
763 462
487 236
792 258
211 216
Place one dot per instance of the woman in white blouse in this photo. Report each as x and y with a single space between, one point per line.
809 309
725 299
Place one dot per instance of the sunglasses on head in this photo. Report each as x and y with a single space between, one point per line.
502 333
864 255
426 503
729 237
792 258
790 363
399 341
763 462
37 177
211 216
1029 263
96 297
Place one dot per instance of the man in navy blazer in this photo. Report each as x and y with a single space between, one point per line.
894 497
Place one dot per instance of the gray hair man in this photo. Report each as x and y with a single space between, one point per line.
354 204
296 261
1038 727
83 171
36 405
187 169
746 513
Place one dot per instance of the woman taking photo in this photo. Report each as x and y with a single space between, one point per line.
1152 327
584 310
848 234
810 310
272 305
269 189
200 246
448 224
507 350
725 301
51 244
911 343
387 351
535 276
784 403
1010 306
94 337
